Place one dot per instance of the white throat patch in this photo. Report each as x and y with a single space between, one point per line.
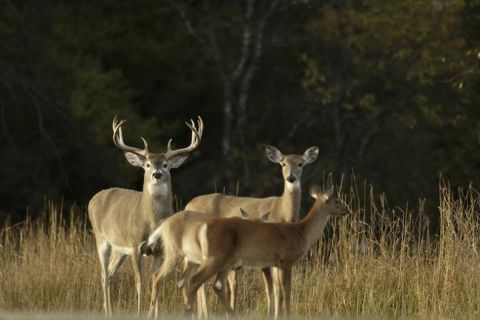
293 186
158 189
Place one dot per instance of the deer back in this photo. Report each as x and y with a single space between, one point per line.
251 243
283 208
225 206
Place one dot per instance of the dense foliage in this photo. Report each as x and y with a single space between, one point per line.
386 89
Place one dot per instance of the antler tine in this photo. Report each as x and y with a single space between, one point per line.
145 145
195 135
117 123
114 123
118 139
200 125
192 127
117 130
197 131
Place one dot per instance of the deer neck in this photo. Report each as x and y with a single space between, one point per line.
289 202
156 201
313 224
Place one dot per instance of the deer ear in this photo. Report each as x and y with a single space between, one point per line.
135 159
265 217
330 191
244 214
314 191
310 155
177 161
273 154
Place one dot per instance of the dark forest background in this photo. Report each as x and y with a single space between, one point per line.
388 90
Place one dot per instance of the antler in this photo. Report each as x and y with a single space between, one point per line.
197 131
118 139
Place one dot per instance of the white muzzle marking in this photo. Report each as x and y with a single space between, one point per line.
293 186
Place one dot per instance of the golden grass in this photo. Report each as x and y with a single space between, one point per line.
382 263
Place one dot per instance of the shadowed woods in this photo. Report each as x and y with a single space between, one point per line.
388 89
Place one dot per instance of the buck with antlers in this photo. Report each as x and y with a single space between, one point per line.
283 209
122 219
220 245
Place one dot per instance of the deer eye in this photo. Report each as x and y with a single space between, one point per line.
300 164
283 164
148 165
165 165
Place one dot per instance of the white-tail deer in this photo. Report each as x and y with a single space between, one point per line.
175 233
122 219
283 209
220 245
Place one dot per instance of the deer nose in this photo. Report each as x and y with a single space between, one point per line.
291 178
157 174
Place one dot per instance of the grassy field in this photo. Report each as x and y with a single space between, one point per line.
381 263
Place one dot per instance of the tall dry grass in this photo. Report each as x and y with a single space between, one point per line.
379 262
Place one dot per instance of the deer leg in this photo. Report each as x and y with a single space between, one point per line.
158 275
219 288
157 262
202 300
104 252
232 283
268 281
277 292
116 261
285 280
137 268
187 269
205 271
202 303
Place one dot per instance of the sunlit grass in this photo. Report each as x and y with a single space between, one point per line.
381 263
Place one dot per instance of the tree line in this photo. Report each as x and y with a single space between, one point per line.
386 90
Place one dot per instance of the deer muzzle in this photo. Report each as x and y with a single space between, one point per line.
157 174
291 178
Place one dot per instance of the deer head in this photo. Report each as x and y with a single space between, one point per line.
292 164
156 165
334 206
